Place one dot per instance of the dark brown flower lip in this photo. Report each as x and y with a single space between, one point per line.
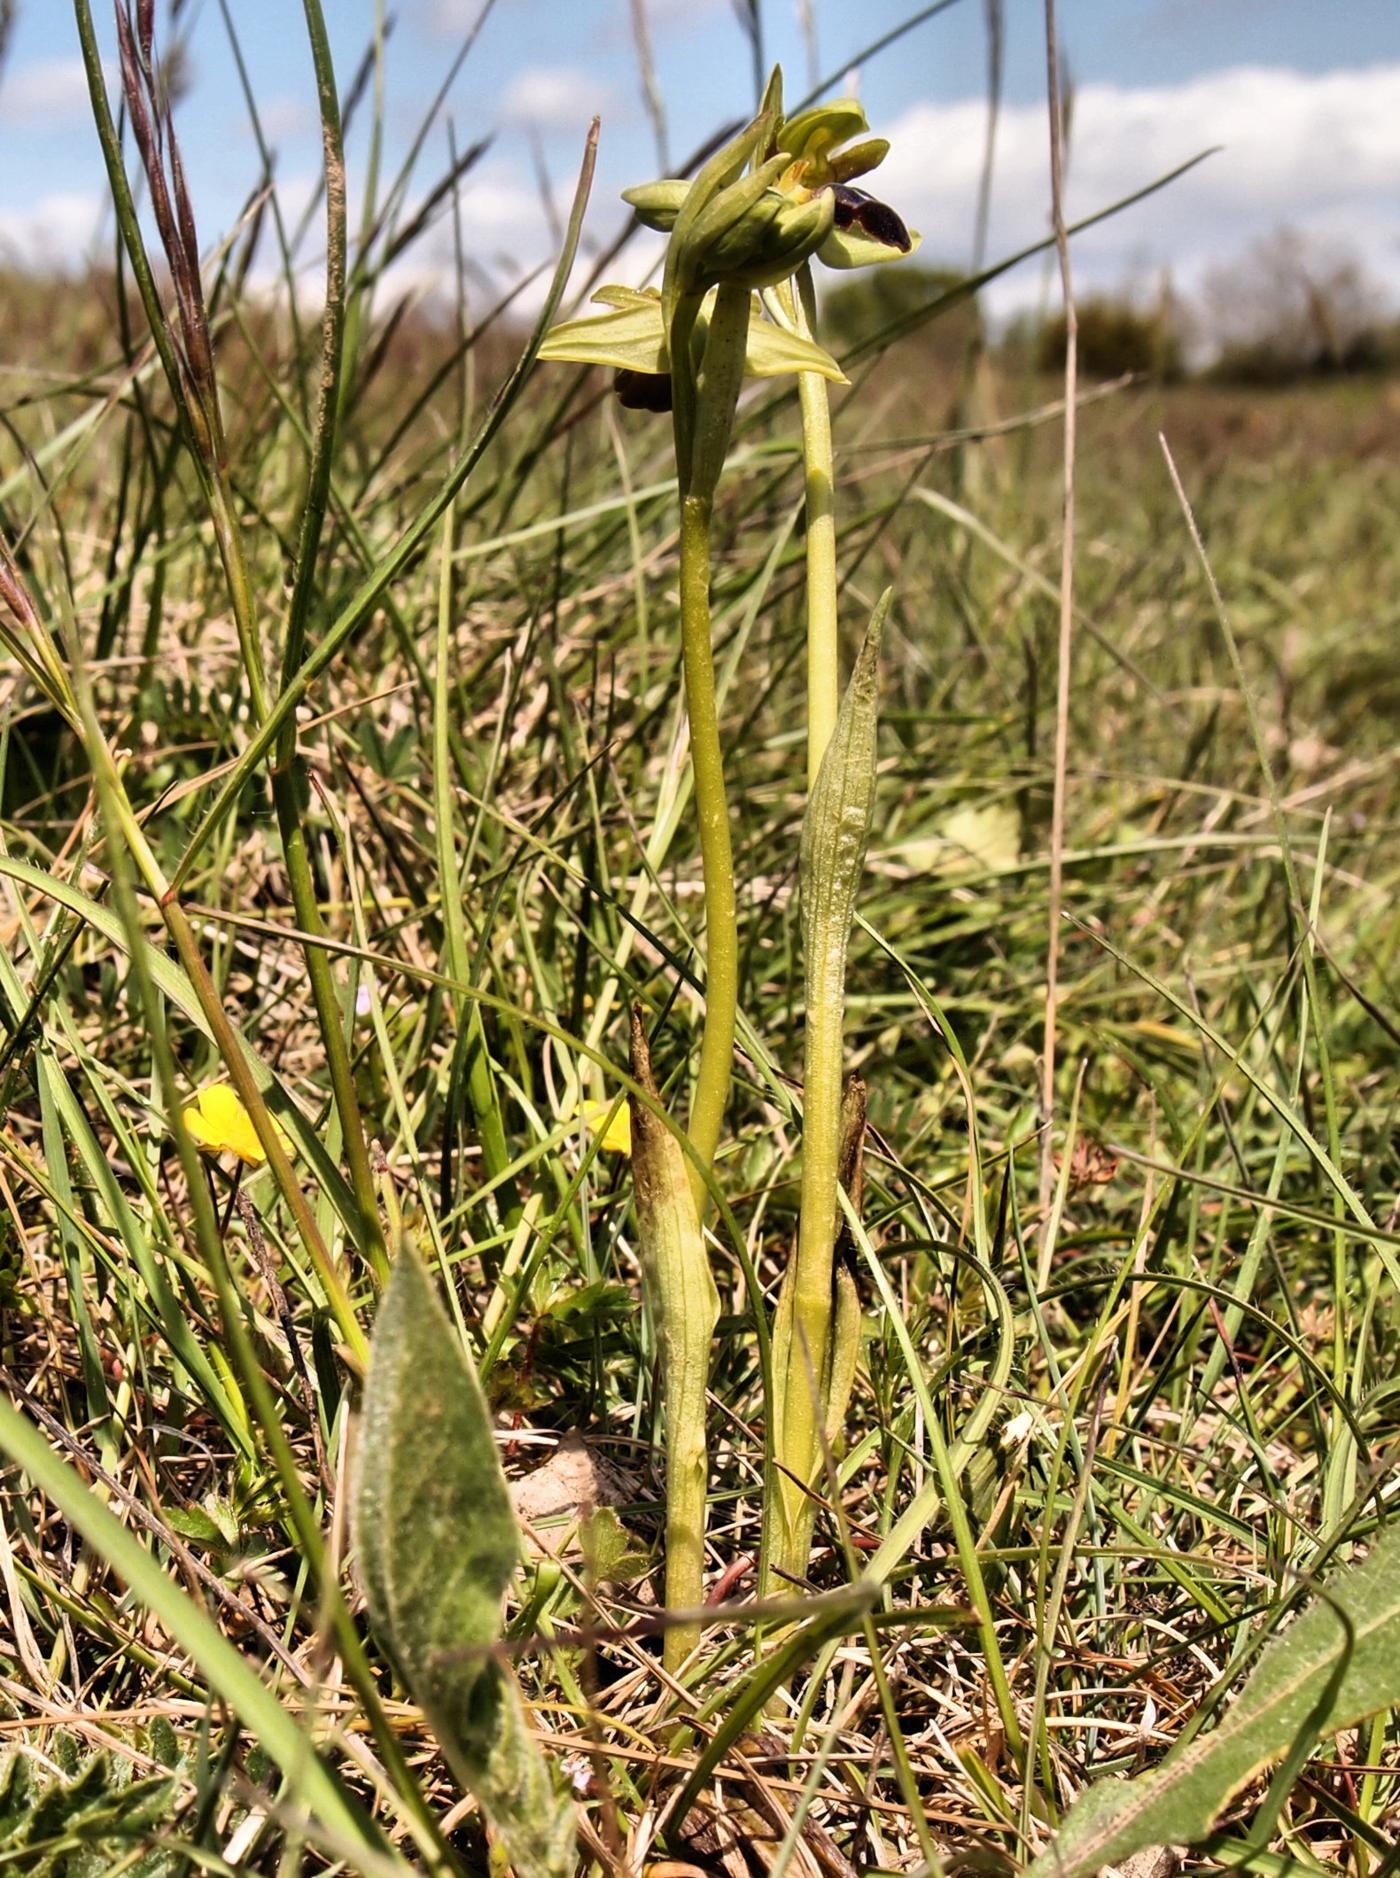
876 219
643 391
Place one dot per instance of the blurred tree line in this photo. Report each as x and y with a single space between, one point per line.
1292 307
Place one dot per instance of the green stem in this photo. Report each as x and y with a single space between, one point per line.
318 481
381 575
289 790
126 846
823 646
704 417
235 565
203 432
711 1096
288 794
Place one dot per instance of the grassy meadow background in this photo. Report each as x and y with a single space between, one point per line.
1190 1338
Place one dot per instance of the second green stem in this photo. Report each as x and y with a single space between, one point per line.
803 1330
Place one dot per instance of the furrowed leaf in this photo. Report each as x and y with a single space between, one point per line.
836 826
1337 1664
846 1316
437 1544
685 1305
835 831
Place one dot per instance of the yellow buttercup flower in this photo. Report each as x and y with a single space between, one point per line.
617 1136
221 1125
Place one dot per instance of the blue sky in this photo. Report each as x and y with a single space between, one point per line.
1305 96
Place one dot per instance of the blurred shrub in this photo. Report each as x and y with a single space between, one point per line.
869 301
1114 337
1294 307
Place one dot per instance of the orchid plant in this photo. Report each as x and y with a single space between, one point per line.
736 298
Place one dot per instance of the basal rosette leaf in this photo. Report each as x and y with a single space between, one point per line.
437 1544
1335 1665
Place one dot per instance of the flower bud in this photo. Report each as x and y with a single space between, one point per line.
657 204
751 235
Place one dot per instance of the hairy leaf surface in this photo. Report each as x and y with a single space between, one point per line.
1339 1663
437 1545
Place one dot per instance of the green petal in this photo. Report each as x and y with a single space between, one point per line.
632 338
860 159
852 247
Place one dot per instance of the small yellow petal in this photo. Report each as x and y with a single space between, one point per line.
221 1125
617 1135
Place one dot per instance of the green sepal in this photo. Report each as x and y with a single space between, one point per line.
815 132
625 297
771 352
630 337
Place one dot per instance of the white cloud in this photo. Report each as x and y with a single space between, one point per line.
1319 152
504 213
451 16
55 231
665 19
44 91
507 228
557 97
283 118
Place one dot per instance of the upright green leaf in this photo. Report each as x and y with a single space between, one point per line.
685 1306
835 832
1339 1663
836 827
437 1544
